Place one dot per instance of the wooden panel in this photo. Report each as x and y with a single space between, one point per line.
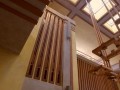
88 81
52 50
46 60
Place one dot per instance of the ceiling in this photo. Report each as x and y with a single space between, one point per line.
76 8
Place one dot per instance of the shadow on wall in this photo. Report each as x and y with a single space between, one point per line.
13 67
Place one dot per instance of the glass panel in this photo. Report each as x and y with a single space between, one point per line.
98 8
111 25
74 1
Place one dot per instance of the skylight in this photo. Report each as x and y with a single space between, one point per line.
111 25
74 1
98 8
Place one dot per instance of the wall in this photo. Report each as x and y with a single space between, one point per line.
13 67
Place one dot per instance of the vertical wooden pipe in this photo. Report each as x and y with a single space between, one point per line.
57 57
39 59
52 53
50 27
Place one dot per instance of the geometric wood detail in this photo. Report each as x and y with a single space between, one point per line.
104 46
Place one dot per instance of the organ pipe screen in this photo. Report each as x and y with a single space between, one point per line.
46 59
88 81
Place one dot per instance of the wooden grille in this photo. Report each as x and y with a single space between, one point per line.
46 59
88 81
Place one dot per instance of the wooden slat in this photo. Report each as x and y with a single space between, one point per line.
89 81
28 7
15 12
59 66
41 47
52 53
35 49
50 28
57 56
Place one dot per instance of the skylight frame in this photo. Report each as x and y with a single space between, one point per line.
113 26
84 9
74 2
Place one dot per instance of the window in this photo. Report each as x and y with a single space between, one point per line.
98 8
74 1
111 25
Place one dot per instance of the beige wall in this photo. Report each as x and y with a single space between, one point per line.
13 67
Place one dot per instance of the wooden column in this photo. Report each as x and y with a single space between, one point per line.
66 56
74 68
70 78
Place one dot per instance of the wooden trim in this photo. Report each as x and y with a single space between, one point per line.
28 7
71 63
15 12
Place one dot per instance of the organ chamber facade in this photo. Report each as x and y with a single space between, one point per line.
51 63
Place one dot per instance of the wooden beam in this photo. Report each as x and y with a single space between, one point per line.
117 21
28 7
45 1
113 54
15 12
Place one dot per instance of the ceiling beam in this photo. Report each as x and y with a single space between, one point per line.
15 12
28 7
